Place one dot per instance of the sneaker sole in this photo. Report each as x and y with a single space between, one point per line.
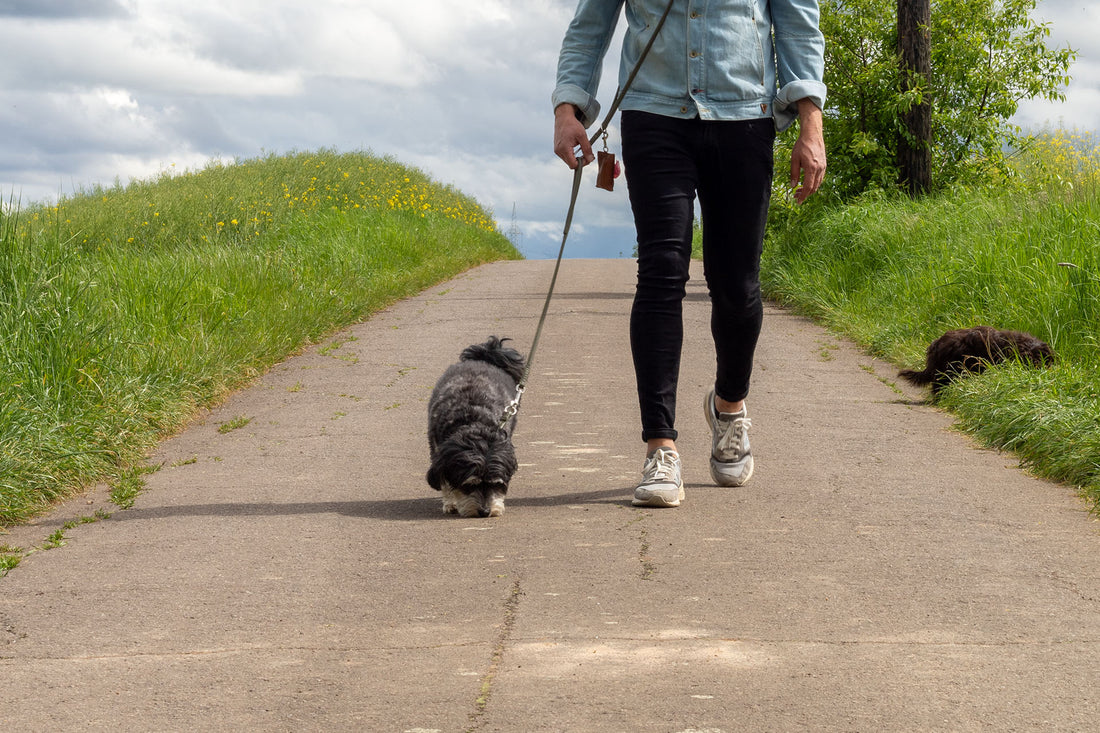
656 500
725 480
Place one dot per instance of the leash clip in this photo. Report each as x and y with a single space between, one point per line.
513 407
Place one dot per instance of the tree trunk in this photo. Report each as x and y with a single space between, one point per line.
915 54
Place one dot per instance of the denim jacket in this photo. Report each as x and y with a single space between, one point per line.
718 59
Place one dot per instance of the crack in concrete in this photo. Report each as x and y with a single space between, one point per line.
649 568
1073 587
481 705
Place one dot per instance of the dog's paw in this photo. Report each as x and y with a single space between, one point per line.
497 508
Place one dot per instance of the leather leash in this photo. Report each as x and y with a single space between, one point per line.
513 407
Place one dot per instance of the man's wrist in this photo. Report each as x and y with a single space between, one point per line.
809 114
567 108
807 105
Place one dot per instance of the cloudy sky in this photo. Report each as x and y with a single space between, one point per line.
94 90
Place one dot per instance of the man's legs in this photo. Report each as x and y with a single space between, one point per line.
730 165
661 178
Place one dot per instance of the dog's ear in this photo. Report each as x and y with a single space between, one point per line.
502 463
435 475
512 363
456 459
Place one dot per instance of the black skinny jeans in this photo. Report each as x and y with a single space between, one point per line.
669 161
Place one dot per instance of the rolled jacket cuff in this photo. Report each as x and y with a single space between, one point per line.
785 109
575 95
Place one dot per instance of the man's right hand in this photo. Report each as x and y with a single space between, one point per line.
569 134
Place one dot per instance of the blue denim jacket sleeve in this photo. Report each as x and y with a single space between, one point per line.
719 59
800 56
580 63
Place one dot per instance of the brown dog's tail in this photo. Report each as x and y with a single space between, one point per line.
920 378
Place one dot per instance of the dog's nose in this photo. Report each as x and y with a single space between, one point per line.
482 512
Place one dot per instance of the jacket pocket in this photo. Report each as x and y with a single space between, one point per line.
740 54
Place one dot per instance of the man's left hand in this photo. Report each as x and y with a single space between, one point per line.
808 158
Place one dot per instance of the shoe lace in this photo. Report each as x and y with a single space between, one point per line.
660 466
733 437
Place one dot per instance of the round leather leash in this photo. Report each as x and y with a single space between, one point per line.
513 407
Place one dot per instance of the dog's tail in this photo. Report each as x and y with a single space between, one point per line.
496 353
920 378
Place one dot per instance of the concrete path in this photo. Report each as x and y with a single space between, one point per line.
880 572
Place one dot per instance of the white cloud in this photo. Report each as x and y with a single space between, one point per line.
134 54
1073 23
240 77
60 8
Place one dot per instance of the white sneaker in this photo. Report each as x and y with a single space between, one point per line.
661 485
730 454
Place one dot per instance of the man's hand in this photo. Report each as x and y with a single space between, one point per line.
808 157
569 133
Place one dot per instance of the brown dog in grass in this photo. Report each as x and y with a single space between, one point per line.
971 350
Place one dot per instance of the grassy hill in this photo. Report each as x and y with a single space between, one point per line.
123 310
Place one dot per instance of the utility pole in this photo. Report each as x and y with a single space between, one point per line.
915 54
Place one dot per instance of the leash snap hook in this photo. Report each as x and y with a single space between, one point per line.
513 407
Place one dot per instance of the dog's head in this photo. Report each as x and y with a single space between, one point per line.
475 465
1037 353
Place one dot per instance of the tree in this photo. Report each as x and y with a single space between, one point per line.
915 55
987 56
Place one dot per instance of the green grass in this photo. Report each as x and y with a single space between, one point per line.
894 274
235 424
124 310
10 557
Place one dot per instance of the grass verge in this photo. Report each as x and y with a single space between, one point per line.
894 274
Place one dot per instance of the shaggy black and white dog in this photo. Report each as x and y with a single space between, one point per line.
971 350
471 452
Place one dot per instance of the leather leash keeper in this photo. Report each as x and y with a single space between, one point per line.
605 176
